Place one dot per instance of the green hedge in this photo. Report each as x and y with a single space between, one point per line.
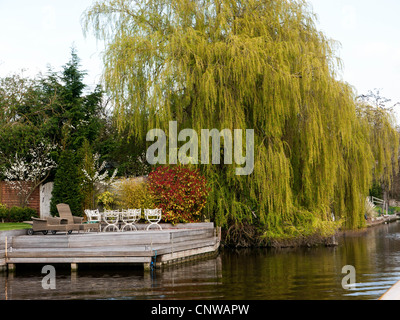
16 214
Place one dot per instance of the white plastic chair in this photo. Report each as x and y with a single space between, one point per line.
130 217
111 218
93 216
153 216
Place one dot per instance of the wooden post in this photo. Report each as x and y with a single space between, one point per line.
73 278
147 266
219 233
74 267
11 267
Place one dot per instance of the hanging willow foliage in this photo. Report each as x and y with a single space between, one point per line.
253 64
383 137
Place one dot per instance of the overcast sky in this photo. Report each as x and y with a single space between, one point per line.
37 34
40 33
369 33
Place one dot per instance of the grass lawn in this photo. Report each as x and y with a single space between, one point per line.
13 226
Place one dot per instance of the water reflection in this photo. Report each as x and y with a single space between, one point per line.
187 281
262 274
316 273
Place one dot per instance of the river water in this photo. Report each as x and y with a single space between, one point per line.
257 274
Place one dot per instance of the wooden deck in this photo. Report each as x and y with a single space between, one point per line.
382 220
150 248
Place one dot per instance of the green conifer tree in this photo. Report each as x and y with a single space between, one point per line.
67 184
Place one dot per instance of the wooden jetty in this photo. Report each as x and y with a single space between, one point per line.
149 248
5 240
383 219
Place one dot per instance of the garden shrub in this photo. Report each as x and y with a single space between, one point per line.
134 194
180 192
107 199
370 210
3 212
16 214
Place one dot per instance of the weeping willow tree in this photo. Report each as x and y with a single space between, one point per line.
253 64
373 109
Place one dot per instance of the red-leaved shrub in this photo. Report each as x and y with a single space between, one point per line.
180 192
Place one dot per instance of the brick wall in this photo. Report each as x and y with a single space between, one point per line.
10 198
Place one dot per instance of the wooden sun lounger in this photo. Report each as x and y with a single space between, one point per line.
77 222
50 224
